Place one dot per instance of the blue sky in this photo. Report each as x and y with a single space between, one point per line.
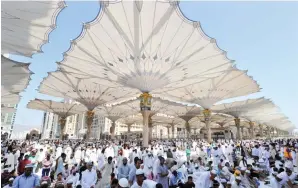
261 36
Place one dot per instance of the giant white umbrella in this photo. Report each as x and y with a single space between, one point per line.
206 93
114 113
147 45
169 121
26 25
62 109
242 108
159 106
15 77
84 91
132 119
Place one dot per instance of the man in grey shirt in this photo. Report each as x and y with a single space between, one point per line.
123 170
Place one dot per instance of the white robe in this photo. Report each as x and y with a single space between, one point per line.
274 183
156 164
202 179
58 152
293 153
77 156
10 161
68 152
89 178
148 165
100 162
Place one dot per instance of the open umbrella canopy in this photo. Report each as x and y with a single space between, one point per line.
26 25
15 77
258 110
232 83
132 119
146 45
62 109
83 90
159 106
239 108
114 112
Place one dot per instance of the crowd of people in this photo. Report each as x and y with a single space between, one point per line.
182 163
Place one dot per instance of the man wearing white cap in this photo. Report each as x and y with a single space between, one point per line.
204 179
236 182
74 178
89 177
27 179
273 182
123 183
140 182
139 179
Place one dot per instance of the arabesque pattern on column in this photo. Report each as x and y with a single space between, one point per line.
150 126
112 129
145 107
62 122
207 116
187 128
90 117
251 124
261 130
237 124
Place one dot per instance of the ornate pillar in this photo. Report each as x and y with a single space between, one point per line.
269 131
145 105
90 117
188 129
168 132
237 124
62 122
207 115
129 127
242 133
261 130
150 127
112 129
173 130
252 134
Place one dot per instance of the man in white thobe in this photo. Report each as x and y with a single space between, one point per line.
77 155
89 177
68 152
58 151
10 162
204 179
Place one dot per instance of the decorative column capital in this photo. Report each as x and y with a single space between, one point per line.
237 121
145 101
62 120
251 123
187 126
261 126
207 114
90 113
